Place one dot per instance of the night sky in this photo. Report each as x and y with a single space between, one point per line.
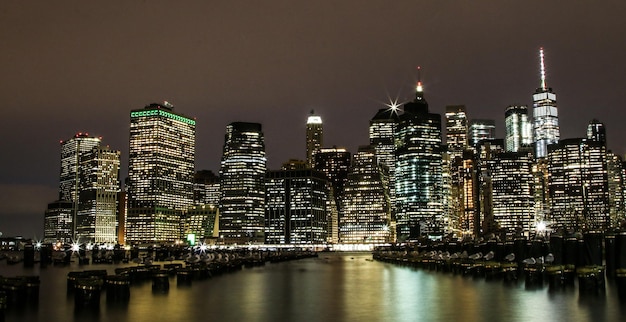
70 66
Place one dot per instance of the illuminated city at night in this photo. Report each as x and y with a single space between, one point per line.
375 161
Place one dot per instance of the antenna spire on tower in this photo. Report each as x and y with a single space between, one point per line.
543 69
419 79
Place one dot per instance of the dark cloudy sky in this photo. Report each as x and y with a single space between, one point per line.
70 66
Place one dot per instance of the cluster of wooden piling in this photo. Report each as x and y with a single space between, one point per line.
589 258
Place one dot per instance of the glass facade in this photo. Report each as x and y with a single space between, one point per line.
481 130
242 185
57 225
456 130
160 173
419 193
366 208
545 115
518 128
296 207
335 164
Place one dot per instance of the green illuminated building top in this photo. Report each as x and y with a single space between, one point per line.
164 109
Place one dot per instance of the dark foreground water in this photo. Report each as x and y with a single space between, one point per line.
333 287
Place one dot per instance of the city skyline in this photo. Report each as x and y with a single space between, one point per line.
65 79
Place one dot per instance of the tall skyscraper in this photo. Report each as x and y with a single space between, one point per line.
206 188
160 173
314 137
96 221
456 130
335 164
545 114
242 184
464 218
419 193
511 187
381 132
615 170
366 208
296 206
578 185
518 128
481 130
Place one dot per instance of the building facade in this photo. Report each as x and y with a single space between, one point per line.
296 207
545 115
242 185
161 169
97 217
366 205
518 128
314 137
419 193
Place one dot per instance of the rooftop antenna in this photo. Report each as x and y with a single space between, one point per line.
419 91
543 69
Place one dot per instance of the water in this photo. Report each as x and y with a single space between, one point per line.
333 287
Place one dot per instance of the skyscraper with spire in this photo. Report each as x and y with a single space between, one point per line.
545 114
419 193
314 137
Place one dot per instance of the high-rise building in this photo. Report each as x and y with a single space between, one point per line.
419 193
480 129
596 131
96 220
206 188
335 164
487 150
296 206
518 128
511 188
366 208
242 184
545 114
69 180
464 218
615 170
57 224
578 185
160 173
314 137
456 130
381 132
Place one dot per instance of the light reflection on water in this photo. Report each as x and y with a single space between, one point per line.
333 287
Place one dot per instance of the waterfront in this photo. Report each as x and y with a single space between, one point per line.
332 287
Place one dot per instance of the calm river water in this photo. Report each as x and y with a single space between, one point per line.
333 287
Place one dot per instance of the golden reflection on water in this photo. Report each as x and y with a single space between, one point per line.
332 287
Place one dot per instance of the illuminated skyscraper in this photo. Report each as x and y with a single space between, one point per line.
206 188
382 129
481 130
545 114
578 185
419 193
511 187
96 220
296 206
160 173
71 152
314 137
456 130
615 170
518 128
366 209
242 184
335 164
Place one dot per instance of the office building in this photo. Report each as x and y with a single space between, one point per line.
456 130
314 137
545 114
518 128
419 193
480 129
242 185
366 208
160 173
